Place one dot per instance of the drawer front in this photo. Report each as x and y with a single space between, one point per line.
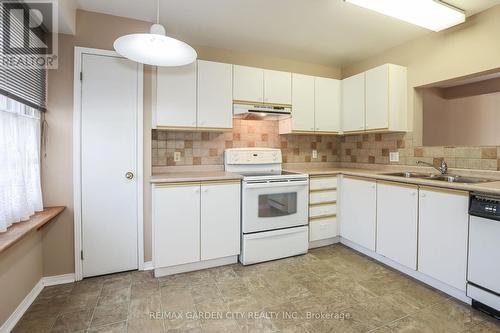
323 229
325 210
323 183
320 197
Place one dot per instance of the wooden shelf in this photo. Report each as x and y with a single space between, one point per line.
19 230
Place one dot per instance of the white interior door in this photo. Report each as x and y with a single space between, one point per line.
110 94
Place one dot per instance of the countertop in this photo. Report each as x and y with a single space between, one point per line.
379 174
193 176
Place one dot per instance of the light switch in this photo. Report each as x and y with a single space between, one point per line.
177 156
394 157
314 154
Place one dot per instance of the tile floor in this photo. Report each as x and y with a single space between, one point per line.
332 289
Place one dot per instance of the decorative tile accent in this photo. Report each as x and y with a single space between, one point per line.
207 148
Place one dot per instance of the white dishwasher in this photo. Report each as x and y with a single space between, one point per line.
484 253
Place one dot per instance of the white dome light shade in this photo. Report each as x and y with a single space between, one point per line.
155 48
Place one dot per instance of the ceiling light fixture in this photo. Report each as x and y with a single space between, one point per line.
155 48
431 14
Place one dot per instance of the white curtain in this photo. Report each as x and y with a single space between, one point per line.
20 189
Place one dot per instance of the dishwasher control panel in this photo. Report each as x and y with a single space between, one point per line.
484 206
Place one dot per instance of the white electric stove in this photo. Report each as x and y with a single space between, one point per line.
274 205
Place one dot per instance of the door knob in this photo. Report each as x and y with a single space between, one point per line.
129 175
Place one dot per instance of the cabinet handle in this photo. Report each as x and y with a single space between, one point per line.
413 194
205 190
423 195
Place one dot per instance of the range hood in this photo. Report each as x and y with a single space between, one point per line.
261 111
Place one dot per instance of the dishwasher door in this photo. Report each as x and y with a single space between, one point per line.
484 253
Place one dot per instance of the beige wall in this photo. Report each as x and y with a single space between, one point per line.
20 270
99 31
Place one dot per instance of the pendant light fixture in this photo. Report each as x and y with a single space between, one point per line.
155 48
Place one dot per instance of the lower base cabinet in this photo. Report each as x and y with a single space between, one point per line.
397 222
443 235
194 222
323 208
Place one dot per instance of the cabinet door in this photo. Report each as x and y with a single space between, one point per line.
303 103
358 209
176 96
397 209
443 233
220 220
215 95
176 223
277 87
377 98
353 103
248 84
327 105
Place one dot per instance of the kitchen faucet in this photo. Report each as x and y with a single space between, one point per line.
443 168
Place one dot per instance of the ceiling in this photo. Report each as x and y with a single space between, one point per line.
328 32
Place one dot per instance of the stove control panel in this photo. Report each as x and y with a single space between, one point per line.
252 156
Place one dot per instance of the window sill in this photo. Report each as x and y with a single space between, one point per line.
19 230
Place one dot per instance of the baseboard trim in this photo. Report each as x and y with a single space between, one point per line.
58 279
447 289
147 266
11 322
47 281
195 266
324 242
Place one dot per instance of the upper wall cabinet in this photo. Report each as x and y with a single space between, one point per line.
248 84
258 85
376 100
327 105
277 87
197 96
386 98
176 97
315 106
353 103
215 98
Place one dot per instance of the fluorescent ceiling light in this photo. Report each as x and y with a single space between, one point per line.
155 48
430 14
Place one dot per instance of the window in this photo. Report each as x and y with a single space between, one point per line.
20 189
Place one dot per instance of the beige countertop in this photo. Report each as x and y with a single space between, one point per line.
193 176
379 174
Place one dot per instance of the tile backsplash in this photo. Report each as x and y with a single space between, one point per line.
207 148
375 149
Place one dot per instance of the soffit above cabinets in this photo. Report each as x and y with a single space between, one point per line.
328 32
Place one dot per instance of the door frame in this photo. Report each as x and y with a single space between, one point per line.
77 172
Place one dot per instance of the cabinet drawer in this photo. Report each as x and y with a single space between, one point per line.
323 183
323 229
320 197
326 210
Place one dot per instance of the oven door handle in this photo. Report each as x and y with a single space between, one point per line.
271 184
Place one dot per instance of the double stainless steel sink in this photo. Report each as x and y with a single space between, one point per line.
443 178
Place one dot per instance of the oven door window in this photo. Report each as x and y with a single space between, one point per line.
277 204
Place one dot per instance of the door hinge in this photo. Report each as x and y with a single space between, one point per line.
81 76
81 255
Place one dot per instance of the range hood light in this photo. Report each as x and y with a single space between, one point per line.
431 14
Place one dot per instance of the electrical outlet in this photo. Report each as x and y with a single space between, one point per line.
315 154
394 157
177 156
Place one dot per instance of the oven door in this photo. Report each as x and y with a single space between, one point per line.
274 205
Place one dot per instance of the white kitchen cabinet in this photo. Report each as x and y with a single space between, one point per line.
321 229
386 98
176 97
358 209
327 105
176 223
220 220
302 103
443 235
215 95
353 103
277 87
397 222
248 84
